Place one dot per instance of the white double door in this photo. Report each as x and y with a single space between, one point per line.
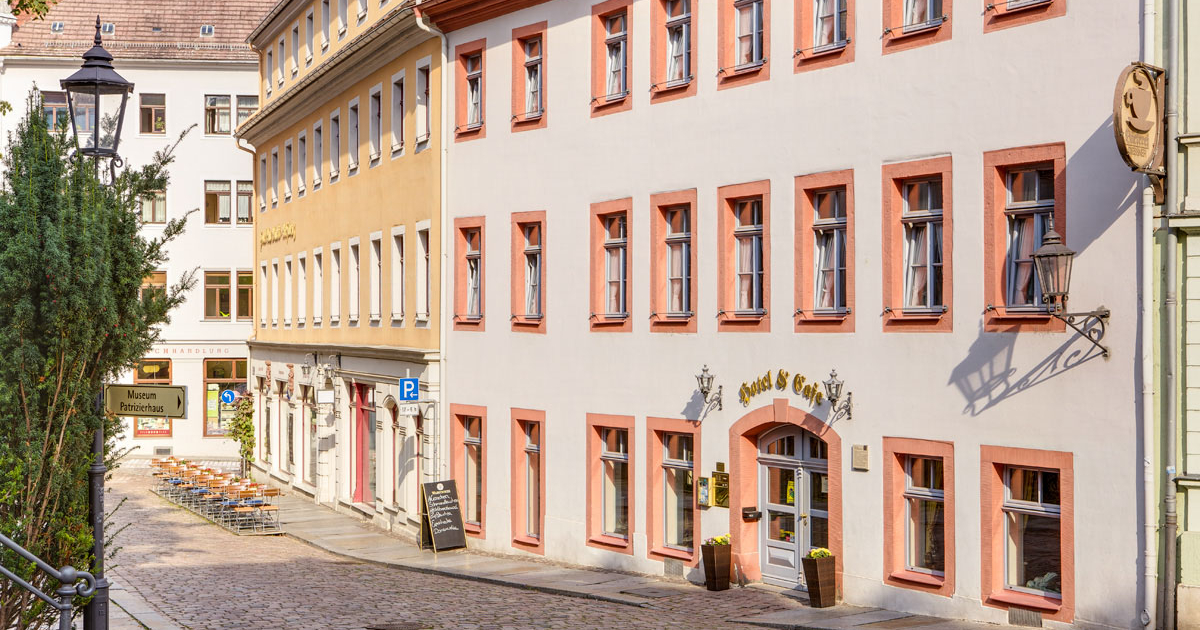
794 500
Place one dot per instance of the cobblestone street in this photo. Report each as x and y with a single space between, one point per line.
202 577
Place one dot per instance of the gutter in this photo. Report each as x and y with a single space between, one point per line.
1170 304
443 408
1149 375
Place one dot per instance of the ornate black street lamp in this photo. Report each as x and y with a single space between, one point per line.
97 96
1053 261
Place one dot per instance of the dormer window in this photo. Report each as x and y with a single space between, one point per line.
155 29
108 28
56 27
206 30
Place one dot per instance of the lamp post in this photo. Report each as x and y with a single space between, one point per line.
1054 261
96 96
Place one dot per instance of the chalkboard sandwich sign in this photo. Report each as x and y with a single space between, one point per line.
441 518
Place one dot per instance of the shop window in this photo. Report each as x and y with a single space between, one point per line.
528 479
245 295
468 462
917 245
365 443
216 114
671 501
528 277
919 515
153 113
825 252
154 207
925 504
1023 192
152 372
610 489
1027 536
308 414
615 458
221 375
469 273
217 203
245 192
216 295
246 106
611 47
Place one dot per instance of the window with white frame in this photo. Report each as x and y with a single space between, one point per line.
335 146
343 19
355 282
533 76
376 279
245 193
216 114
287 291
923 243
678 503
375 124
302 161
424 124
1029 209
748 234
262 296
282 59
532 233
287 170
533 480
749 32
474 67
301 289
274 176
335 285
275 292
324 24
295 49
352 140
922 13
925 510
473 468
425 299
829 29
217 202
614 457
829 232
616 266
362 9
262 183
615 42
474 262
1033 531
397 276
398 113
318 290
679 41
310 37
246 106
270 71
318 153
679 261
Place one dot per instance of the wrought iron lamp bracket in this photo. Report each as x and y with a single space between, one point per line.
1092 325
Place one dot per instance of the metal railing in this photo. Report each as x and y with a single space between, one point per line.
72 581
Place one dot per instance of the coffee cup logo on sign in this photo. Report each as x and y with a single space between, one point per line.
1137 117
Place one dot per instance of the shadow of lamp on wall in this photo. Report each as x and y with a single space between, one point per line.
1053 261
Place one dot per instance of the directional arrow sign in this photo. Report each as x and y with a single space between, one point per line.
147 401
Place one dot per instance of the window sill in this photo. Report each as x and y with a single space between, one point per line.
746 68
916 577
1025 600
825 50
671 86
528 320
341 31
1003 312
295 71
527 117
527 541
473 528
397 149
469 129
325 45
605 540
423 138
900 32
1005 8
362 15
918 314
670 552
308 59
747 316
824 315
609 100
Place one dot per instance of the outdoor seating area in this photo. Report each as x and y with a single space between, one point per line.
237 504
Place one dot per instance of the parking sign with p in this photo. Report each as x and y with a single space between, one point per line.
410 389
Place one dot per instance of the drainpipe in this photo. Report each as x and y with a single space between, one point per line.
1171 519
1149 438
443 323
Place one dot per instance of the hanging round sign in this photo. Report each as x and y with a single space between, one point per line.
1137 117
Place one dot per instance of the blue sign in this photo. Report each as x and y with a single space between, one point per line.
228 396
409 389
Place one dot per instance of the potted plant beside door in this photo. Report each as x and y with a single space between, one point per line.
716 555
819 567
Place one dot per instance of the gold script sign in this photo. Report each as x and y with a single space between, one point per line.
1137 117
810 390
277 233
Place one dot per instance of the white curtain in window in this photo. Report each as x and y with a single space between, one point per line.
473 287
746 34
825 22
1022 293
675 69
615 279
675 275
533 89
918 270
532 293
616 68
915 11
475 115
826 290
745 274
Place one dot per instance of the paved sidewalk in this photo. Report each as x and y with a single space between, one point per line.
348 536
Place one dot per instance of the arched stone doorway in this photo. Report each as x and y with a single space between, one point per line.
758 466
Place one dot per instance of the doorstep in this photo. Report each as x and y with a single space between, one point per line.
845 617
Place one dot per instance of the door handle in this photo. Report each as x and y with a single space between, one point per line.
804 517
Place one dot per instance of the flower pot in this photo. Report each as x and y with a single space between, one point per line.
819 578
716 566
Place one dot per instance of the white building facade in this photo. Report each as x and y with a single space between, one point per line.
201 79
775 190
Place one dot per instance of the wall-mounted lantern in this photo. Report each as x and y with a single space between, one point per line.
1054 261
833 391
705 382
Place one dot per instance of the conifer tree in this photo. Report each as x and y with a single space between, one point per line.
73 316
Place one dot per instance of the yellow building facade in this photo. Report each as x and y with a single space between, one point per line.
347 250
